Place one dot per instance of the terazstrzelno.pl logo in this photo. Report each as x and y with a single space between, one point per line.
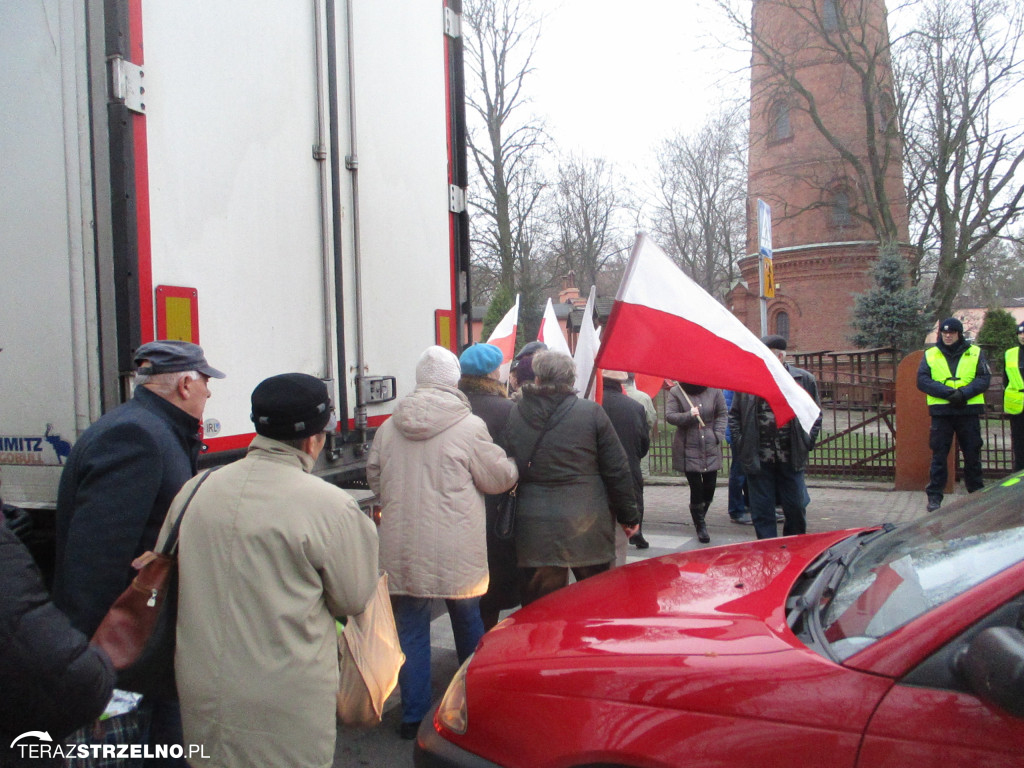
37 745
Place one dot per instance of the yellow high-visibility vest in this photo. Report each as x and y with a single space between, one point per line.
1013 395
966 370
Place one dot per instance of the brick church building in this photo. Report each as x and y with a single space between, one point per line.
823 242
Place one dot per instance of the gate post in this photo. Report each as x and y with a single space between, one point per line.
913 423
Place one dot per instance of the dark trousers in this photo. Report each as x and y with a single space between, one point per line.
967 429
1017 437
534 583
738 500
702 487
777 480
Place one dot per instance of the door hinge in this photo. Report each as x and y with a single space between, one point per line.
126 84
456 198
452 23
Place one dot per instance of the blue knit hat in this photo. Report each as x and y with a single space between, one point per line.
480 359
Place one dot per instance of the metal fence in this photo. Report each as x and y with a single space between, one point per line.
858 435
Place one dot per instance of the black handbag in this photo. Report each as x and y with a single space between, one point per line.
138 632
508 505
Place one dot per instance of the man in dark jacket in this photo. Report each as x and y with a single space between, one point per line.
52 679
630 421
1013 396
118 483
480 382
773 458
954 375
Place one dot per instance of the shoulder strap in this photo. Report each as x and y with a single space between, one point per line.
171 545
556 416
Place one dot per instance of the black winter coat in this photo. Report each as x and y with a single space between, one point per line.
113 496
51 679
488 400
629 419
579 483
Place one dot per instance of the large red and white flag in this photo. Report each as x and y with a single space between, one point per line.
551 331
504 338
587 345
664 324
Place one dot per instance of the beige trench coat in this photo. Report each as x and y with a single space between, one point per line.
431 464
269 554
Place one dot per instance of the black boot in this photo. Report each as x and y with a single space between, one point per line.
637 539
697 512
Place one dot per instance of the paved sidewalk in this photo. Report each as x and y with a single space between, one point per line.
834 504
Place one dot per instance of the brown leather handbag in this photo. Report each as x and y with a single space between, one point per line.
138 630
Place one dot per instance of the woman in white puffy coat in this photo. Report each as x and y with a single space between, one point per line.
431 464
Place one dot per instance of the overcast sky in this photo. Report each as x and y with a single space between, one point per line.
614 79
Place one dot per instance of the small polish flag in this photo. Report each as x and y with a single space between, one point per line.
551 332
504 338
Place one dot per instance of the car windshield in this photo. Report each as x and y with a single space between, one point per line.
903 572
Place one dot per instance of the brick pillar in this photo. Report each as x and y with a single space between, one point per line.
913 422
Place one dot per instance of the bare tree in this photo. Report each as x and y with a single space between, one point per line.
500 42
853 116
589 215
700 208
965 184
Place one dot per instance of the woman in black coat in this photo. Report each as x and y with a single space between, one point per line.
574 481
481 364
51 679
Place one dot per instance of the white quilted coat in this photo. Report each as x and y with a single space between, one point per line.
431 464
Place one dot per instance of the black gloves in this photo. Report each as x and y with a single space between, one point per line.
957 398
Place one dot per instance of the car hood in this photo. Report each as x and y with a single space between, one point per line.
719 601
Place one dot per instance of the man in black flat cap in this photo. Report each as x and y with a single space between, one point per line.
954 375
117 484
271 553
773 458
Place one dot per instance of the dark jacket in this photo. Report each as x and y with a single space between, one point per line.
696 448
578 485
488 400
978 385
51 679
629 419
114 493
744 428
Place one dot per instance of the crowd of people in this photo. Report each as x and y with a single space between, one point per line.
270 555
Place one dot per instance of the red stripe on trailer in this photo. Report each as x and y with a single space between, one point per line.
141 151
453 218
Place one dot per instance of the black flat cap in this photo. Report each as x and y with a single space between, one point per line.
290 405
774 341
166 356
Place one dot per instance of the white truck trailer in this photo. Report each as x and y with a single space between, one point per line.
280 181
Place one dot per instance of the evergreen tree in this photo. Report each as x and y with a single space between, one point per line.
501 303
998 333
892 314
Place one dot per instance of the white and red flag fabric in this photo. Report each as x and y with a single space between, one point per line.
551 331
587 346
504 337
664 324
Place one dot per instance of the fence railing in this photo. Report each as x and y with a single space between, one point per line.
858 435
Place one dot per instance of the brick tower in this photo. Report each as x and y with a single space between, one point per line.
825 158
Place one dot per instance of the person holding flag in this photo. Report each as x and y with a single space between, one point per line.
773 456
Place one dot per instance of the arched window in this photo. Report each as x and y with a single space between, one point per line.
830 16
782 324
778 114
840 206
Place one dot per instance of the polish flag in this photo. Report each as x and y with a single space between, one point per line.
587 345
504 338
551 332
664 324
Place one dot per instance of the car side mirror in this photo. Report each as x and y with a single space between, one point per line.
993 667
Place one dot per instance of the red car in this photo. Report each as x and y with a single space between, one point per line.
896 646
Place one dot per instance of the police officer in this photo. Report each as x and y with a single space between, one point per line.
954 375
1013 397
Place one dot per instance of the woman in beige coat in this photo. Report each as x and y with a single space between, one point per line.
431 464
